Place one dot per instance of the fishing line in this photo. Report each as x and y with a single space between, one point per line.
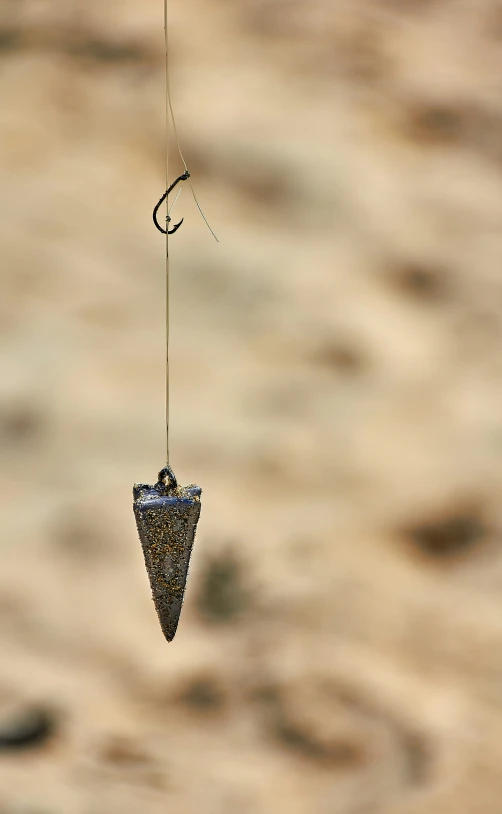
169 112
175 131
174 202
168 107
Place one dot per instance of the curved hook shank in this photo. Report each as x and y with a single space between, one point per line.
175 228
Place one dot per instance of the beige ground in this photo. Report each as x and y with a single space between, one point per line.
336 391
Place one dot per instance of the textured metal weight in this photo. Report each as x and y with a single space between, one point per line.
166 517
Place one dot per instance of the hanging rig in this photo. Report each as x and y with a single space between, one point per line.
166 513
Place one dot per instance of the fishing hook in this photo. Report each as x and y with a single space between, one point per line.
175 228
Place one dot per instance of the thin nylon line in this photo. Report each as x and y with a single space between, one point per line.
169 110
174 202
168 107
175 131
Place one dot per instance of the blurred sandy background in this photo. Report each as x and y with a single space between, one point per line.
336 392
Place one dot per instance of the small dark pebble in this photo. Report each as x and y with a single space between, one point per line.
27 729
420 282
436 124
203 694
447 536
20 424
337 753
10 39
223 595
340 753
